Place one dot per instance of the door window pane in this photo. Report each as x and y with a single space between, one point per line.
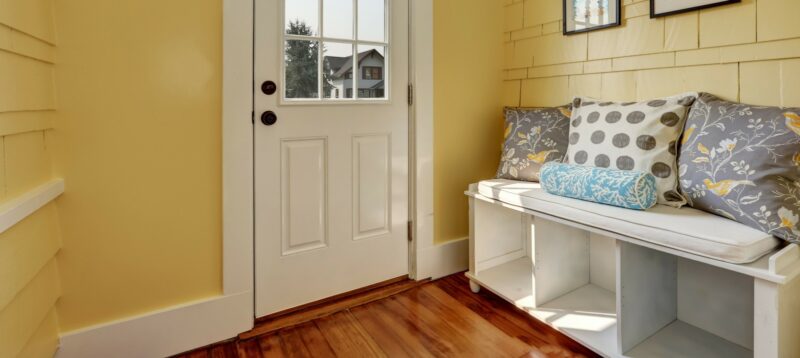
338 19
337 66
372 20
302 17
371 68
301 68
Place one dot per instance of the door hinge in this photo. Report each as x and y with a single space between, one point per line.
252 117
410 231
410 94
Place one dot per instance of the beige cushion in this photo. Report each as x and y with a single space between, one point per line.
684 229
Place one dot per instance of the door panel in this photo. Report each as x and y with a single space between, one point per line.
304 195
371 185
331 175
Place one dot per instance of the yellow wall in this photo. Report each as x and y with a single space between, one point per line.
29 282
748 52
468 104
138 140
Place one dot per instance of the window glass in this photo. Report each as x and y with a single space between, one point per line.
371 64
372 20
338 19
301 69
302 17
337 67
331 54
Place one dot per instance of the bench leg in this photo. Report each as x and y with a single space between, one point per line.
474 287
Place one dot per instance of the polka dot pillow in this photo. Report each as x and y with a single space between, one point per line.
639 136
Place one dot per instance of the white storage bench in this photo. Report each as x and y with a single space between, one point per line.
662 283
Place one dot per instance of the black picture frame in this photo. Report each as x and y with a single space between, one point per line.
653 14
617 20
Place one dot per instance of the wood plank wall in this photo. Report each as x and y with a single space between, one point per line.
29 283
748 52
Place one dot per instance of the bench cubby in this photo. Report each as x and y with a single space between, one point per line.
671 306
574 286
625 298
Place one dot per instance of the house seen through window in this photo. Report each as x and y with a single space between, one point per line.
321 65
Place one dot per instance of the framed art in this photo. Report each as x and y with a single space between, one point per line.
660 8
588 15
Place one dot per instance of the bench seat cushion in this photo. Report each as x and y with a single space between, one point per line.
684 229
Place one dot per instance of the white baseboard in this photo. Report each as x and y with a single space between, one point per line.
444 259
165 332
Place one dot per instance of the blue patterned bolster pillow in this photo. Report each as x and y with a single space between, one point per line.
623 188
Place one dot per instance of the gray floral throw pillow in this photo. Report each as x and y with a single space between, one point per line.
533 136
741 162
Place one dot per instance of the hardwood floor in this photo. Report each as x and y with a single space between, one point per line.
442 318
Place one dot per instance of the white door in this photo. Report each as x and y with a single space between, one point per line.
331 173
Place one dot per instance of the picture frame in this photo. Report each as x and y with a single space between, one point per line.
661 8
581 16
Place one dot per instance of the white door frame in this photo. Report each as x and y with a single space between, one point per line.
237 142
237 146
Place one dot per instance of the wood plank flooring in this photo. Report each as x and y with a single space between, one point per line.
442 318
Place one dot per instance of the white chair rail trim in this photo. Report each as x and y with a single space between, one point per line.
17 209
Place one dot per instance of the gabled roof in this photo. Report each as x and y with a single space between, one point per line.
341 65
337 62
